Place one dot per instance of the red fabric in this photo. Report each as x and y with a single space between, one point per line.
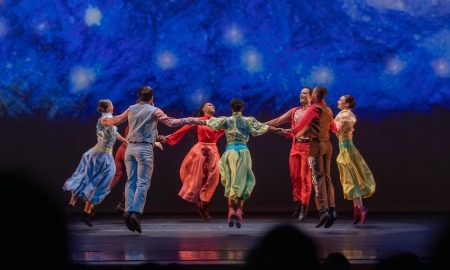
120 165
300 174
311 113
119 162
204 133
199 173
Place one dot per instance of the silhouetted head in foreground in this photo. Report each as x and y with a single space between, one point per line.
408 261
33 225
283 247
336 261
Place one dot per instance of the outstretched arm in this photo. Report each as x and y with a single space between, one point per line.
173 122
114 121
175 137
121 139
283 119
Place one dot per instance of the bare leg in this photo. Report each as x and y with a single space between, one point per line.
88 207
73 199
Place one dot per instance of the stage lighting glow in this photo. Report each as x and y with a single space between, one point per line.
233 35
93 16
252 60
81 78
322 75
166 60
262 51
395 65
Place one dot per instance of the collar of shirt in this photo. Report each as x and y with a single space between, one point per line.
321 103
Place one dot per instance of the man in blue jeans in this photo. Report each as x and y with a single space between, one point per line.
142 120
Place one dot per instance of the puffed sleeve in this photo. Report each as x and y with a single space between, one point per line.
256 128
217 122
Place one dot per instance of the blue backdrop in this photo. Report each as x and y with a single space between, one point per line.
59 57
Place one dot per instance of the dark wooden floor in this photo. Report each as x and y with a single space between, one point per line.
189 240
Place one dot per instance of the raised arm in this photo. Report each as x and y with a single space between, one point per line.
115 120
160 116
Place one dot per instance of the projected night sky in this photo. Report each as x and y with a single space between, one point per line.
59 57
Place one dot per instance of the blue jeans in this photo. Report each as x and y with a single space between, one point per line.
139 164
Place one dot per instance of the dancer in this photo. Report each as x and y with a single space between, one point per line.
142 120
298 157
119 161
316 124
199 171
236 163
91 180
356 178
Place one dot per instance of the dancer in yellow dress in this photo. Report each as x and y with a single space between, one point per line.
236 163
356 178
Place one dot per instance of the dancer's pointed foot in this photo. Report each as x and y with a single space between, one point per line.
303 212
135 218
363 212
297 209
231 217
130 225
239 214
356 215
323 218
87 218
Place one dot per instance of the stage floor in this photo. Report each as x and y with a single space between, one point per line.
188 240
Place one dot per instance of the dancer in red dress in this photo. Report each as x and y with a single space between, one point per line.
199 171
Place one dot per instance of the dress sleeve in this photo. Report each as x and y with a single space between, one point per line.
344 123
219 133
175 137
256 128
217 122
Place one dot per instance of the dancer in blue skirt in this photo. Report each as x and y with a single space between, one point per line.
91 180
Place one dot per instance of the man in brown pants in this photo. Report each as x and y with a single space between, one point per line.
316 124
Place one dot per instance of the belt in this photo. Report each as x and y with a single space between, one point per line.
103 149
303 140
237 146
139 142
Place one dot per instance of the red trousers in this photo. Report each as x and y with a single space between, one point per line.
120 165
300 173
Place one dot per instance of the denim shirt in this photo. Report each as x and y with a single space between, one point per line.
142 126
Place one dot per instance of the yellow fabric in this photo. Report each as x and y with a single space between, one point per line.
236 174
356 178
345 120
103 149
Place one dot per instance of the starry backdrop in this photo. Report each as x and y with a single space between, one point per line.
58 58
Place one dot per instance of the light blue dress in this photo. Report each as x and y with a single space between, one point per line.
93 176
